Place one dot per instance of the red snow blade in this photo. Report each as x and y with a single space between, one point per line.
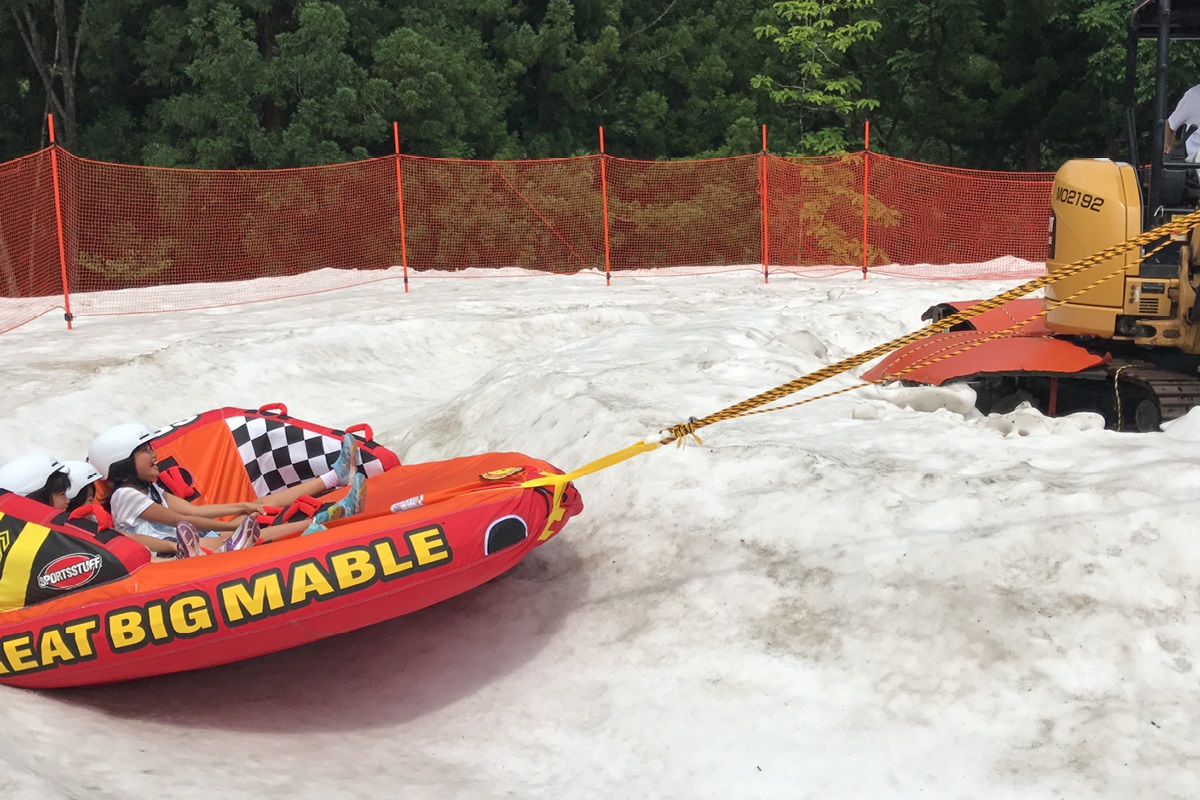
1026 310
1032 354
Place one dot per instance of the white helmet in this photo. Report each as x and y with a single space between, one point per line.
117 444
82 475
27 474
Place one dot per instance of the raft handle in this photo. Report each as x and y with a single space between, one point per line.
364 428
274 408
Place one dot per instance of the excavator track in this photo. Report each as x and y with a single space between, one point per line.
1150 395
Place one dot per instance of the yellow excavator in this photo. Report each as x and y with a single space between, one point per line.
1127 347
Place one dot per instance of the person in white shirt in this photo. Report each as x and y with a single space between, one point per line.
1186 113
167 524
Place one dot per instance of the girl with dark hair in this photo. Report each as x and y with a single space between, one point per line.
39 477
82 491
54 492
169 524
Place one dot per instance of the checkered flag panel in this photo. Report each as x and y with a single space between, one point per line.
278 455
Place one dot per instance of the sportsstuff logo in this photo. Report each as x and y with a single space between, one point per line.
70 572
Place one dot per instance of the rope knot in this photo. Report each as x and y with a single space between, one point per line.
679 433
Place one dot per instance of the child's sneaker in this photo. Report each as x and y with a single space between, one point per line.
318 522
355 499
244 537
344 466
348 506
188 541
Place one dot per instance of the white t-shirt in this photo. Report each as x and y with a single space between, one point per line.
128 504
1188 113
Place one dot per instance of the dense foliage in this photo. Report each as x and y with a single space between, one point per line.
998 84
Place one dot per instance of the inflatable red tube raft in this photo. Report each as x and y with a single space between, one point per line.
171 616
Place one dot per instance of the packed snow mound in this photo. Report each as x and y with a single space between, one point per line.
1185 428
957 398
1025 420
804 342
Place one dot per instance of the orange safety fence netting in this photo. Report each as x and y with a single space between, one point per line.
684 216
30 275
815 214
173 239
540 215
144 229
930 215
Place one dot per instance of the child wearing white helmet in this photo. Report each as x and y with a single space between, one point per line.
39 477
168 524
82 489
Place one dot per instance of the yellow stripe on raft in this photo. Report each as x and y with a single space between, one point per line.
18 563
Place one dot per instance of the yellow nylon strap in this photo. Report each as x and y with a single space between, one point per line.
594 466
559 482
18 564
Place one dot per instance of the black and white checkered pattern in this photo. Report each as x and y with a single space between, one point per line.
278 455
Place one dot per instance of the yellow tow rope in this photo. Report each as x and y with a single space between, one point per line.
677 433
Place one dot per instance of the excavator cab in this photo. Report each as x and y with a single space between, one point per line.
1151 300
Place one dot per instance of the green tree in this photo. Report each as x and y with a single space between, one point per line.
331 107
921 65
1008 84
212 117
246 91
21 98
562 60
443 85
815 76
681 86
253 83
1048 106
664 79
52 37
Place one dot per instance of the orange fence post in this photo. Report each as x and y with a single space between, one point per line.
58 219
400 200
866 189
604 195
766 229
